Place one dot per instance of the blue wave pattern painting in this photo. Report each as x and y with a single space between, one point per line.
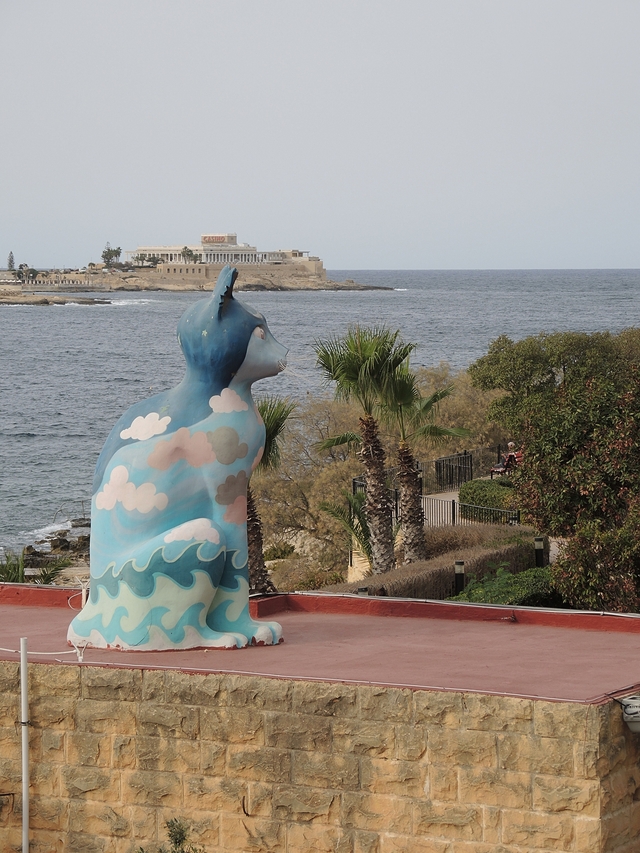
169 507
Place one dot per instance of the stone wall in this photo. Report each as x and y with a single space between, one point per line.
259 764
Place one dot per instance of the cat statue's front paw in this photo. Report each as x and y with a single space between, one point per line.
266 634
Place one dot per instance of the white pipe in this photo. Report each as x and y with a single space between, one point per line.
24 724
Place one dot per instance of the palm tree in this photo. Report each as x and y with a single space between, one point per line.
360 364
353 520
414 417
274 411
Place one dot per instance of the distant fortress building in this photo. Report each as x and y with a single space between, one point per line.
220 249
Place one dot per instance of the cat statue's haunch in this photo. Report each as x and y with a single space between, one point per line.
168 516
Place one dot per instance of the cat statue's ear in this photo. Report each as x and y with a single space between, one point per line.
223 291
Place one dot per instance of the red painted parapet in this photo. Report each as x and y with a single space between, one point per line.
363 605
37 595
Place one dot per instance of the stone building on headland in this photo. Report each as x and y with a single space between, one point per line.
216 250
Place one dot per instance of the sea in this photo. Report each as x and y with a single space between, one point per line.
68 372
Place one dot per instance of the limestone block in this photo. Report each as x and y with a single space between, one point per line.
52 745
232 725
302 838
320 770
46 681
325 700
212 758
204 828
55 712
99 819
491 824
462 748
588 762
78 842
48 813
153 686
536 754
88 748
376 812
44 779
620 788
532 829
305 805
187 688
557 794
144 821
95 715
43 841
354 737
564 719
365 842
122 685
212 794
497 713
152 787
10 740
10 773
391 843
123 752
446 821
438 709
411 742
389 776
298 731
587 834
442 783
178 755
616 831
9 678
269 694
258 763
251 834
90 783
506 788
259 801
168 721
385 703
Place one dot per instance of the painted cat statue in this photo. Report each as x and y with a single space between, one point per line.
168 515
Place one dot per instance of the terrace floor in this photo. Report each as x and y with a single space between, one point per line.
554 655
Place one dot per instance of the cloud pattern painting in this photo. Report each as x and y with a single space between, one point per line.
169 559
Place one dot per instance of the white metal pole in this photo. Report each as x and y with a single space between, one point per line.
24 725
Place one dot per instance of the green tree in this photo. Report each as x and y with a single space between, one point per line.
577 418
413 415
140 259
188 255
11 264
111 256
352 518
361 364
274 411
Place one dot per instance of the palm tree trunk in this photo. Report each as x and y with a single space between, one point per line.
378 504
259 580
411 515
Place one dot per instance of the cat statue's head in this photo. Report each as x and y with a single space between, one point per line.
223 339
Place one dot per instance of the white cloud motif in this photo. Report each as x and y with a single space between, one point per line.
199 529
144 498
143 428
228 401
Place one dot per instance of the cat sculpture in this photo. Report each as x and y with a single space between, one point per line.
168 514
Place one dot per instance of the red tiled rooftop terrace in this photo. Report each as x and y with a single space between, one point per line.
534 653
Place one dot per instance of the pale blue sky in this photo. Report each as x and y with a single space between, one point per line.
398 134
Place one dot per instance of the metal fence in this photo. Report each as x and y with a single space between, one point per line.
447 474
438 513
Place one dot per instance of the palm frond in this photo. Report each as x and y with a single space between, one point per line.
349 438
352 518
274 411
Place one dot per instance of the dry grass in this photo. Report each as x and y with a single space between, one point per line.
481 547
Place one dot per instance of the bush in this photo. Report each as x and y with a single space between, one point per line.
531 588
279 551
477 496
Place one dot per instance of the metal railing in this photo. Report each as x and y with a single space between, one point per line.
438 513
447 474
